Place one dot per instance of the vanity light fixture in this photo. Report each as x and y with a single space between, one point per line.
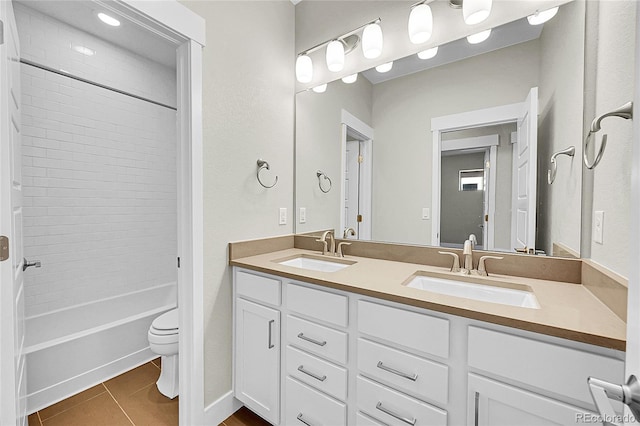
372 41
420 22
475 11
429 53
304 69
542 17
338 47
109 20
350 78
479 37
320 89
386 67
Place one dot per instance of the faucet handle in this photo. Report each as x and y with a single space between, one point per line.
456 260
340 245
481 268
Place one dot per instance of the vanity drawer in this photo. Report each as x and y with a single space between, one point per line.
307 406
364 420
258 287
317 339
394 408
318 304
320 374
403 371
421 332
558 369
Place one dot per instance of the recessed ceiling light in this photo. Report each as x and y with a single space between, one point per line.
350 78
84 50
429 53
320 89
109 20
479 37
386 67
542 17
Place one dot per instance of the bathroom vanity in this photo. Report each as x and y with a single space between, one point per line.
357 345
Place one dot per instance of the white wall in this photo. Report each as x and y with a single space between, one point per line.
402 113
49 42
560 124
99 171
318 138
614 87
248 101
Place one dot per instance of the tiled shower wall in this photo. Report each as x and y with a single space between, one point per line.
99 173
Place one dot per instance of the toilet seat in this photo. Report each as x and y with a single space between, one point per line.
166 323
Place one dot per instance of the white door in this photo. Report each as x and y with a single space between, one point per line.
525 155
257 359
12 360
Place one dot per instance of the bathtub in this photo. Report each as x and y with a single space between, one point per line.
72 349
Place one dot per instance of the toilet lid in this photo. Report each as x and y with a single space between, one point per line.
166 321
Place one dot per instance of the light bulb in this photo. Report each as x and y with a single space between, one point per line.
479 37
475 11
335 56
542 17
420 24
386 67
320 89
372 41
350 78
109 20
304 69
429 53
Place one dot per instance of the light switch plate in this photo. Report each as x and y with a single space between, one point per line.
598 226
303 215
426 213
283 216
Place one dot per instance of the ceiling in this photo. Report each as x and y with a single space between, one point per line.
82 14
503 36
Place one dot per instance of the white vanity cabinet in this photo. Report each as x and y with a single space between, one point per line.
347 358
257 344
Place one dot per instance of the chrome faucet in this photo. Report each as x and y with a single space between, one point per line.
331 249
347 232
467 255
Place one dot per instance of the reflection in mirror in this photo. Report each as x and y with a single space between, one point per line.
380 128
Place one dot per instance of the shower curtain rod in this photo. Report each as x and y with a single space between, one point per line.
84 80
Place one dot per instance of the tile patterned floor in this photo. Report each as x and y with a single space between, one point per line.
244 417
129 399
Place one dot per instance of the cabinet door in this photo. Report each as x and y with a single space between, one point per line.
257 359
496 404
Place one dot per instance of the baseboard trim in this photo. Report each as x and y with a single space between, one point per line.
221 408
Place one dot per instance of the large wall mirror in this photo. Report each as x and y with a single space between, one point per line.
433 150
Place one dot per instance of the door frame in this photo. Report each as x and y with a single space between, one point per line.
466 120
490 145
186 30
365 199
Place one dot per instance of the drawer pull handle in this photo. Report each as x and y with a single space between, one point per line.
306 422
309 339
411 422
309 373
413 377
271 345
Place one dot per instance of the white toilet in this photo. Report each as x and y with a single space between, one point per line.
163 340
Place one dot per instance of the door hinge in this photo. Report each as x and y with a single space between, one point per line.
1 32
4 248
486 218
360 159
178 262
359 218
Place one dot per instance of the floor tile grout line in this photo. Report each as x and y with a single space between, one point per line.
67 409
39 418
119 406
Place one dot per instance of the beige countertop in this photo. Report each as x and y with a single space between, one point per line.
567 310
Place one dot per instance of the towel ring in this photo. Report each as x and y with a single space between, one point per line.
320 174
551 174
261 166
625 111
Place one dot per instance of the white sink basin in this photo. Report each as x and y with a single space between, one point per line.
315 263
482 292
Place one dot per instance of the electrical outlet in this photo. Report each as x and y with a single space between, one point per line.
283 216
303 215
426 214
598 227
